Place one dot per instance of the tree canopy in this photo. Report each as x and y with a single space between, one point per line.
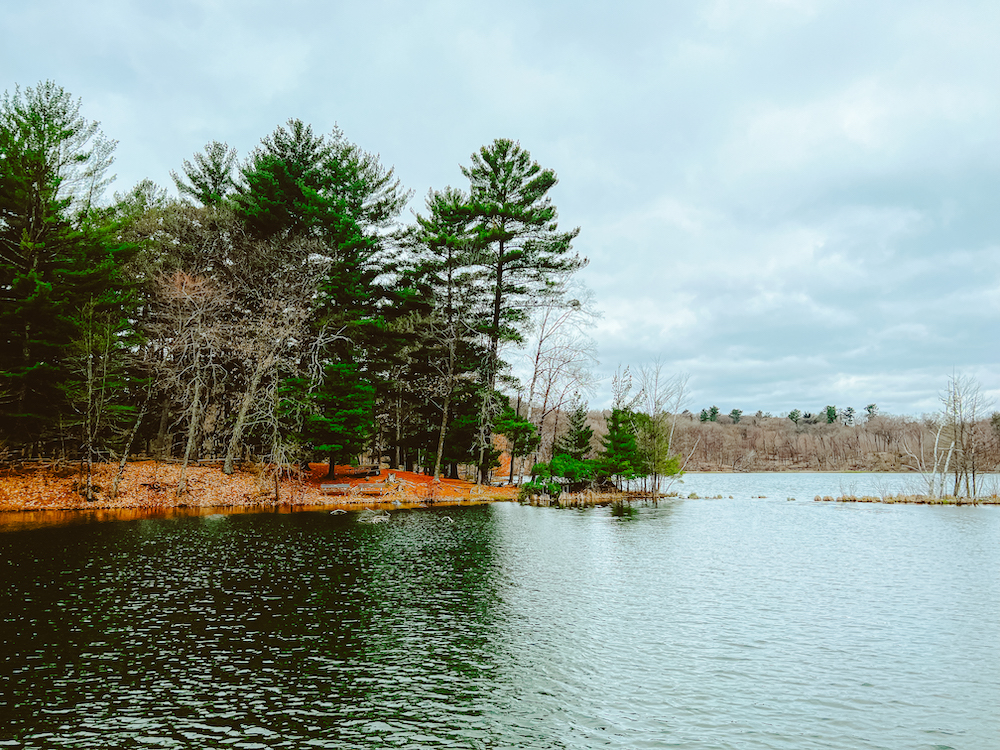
277 306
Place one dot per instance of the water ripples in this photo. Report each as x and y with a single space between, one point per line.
701 624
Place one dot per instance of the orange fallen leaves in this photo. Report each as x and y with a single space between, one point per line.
153 484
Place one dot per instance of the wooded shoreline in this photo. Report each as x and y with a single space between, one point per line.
150 486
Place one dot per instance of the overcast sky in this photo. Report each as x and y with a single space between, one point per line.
795 202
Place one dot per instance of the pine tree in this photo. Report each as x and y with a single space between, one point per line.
56 256
210 178
575 442
342 423
522 437
445 280
298 184
519 243
620 457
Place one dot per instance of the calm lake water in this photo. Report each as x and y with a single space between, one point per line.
732 623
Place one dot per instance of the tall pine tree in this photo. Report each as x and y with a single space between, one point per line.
519 246
445 276
56 257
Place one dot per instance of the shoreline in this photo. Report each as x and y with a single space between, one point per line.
152 485
148 490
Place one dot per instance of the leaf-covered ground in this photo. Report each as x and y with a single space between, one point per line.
154 484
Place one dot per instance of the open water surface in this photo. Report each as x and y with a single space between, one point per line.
732 623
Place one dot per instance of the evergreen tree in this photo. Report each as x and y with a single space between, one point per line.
56 256
461 444
518 237
653 457
445 280
522 437
210 178
620 457
298 184
520 245
575 442
342 423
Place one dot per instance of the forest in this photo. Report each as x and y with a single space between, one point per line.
278 309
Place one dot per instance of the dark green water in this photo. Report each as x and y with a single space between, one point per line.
698 624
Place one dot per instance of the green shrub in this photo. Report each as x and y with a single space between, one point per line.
530 489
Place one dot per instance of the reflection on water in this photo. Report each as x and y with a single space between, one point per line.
34 519
702 624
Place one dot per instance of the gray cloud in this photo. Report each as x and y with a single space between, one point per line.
793 200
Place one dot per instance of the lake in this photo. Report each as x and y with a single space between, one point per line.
728 623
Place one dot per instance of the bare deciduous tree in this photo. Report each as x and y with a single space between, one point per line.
271 327
660 397
561 354
190 330
963 406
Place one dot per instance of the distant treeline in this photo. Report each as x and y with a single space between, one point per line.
951 449
644 439
879 443
768 443
278 308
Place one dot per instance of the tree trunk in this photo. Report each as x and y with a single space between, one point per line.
192 427
128 447
399 431
241 417
492 366
161 434
449 386
89 421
